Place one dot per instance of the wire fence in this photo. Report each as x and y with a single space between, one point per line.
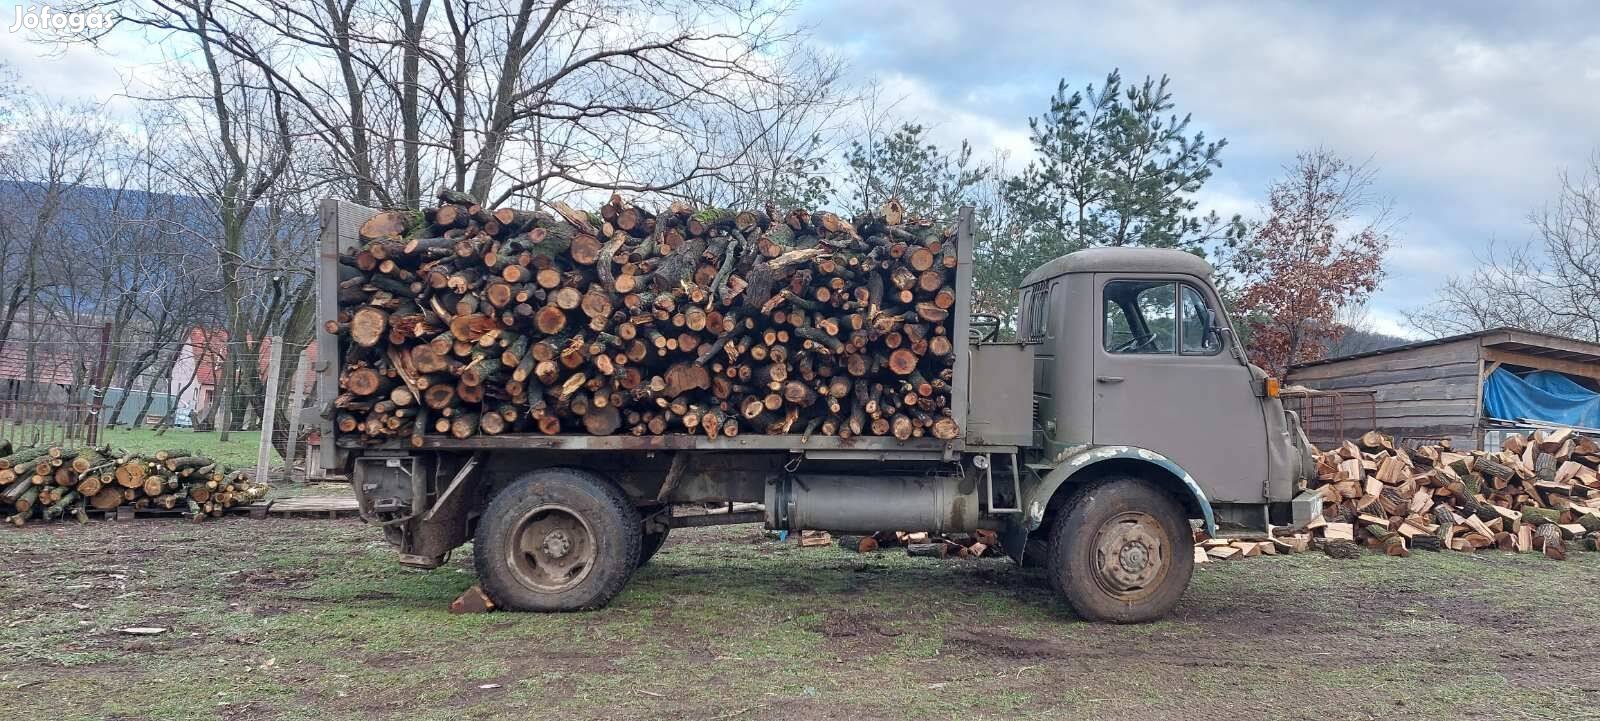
50 389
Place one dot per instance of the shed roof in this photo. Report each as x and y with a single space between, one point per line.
1122 260
1527 342
48 366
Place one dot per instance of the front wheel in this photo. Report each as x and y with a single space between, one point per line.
1120 551
558 539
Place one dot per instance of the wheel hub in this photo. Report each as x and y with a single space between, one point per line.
555 549
1130 555
556 544
1134 557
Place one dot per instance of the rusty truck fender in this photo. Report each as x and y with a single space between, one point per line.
1078 462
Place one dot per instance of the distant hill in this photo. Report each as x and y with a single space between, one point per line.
94 224
1361 341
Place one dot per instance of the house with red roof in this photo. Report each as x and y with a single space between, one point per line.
204 358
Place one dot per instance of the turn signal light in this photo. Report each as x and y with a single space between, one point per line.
1272 386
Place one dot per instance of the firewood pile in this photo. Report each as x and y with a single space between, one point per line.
1539 493
978 544
51 483
467 321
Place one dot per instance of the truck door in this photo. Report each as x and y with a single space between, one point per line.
1164 381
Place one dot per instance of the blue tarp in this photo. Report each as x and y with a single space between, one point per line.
1541 396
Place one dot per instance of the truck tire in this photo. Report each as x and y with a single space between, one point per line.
557 539
1120 551
649 543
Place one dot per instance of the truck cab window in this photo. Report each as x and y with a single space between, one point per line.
1141 316
1198 319
1033 316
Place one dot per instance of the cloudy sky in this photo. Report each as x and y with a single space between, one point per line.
1469 109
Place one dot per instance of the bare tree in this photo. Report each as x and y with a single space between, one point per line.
56 150
1550 284
504 98
232 146
784 148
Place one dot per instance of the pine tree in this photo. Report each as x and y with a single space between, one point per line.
1116 168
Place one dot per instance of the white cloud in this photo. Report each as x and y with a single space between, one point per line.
949 122
1468 111
80 72
1388 322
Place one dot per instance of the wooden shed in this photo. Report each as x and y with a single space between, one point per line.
1434 389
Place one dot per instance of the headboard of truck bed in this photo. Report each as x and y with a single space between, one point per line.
341 223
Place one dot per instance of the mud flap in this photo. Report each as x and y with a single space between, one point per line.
1014 539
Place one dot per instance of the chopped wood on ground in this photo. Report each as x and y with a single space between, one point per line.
978 544
1540 493
460 320
51 483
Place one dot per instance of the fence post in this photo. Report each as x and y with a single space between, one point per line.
297 398
269 407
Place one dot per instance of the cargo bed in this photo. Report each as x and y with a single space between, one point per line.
342 219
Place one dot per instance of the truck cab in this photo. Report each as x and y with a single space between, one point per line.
1133 347
1145 413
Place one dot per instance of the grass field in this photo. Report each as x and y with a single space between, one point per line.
239 451
313 620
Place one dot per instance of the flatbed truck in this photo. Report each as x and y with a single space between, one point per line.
1122 417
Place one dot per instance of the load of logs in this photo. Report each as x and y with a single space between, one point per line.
1539 493
51 483
467 321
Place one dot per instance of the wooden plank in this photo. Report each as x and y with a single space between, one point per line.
1453 389
315 503
1357 379
1464 350
1447 409
1449 388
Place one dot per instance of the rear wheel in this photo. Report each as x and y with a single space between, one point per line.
1120 551
558 539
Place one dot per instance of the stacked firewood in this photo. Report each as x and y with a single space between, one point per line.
467 321
978 544
1539 493
52 482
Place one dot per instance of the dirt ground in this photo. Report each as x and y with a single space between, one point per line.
292 619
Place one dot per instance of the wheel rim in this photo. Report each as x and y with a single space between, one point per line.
554 549
1131 556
